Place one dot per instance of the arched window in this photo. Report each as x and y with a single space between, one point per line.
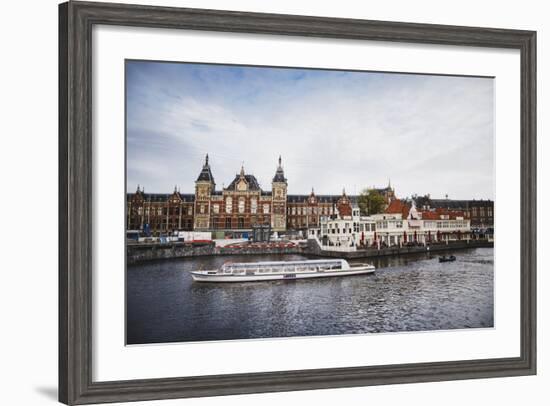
241 205
228 205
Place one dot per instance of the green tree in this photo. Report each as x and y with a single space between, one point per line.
370 201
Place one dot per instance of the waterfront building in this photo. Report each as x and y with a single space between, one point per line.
243 206
154 212
480 212
235 210
305 212
239 206
400 224
345 230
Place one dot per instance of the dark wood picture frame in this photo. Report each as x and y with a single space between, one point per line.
76 20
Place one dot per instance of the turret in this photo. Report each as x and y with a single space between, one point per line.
279 173
204 186
206 174
279 191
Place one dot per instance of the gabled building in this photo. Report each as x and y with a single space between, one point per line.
155 213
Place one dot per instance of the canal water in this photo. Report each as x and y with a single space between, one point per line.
407 293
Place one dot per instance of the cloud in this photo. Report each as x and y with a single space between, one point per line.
429 134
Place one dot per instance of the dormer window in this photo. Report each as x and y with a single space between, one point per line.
241 186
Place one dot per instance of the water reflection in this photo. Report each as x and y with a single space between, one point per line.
408 293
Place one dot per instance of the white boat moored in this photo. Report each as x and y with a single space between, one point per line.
286 270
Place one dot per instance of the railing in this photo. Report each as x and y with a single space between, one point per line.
332 247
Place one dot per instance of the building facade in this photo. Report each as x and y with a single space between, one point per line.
242 206
156 213
480 212
401 224
346 231
234 210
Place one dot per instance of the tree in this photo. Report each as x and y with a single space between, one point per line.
371 202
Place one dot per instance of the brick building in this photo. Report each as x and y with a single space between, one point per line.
480 212
235 209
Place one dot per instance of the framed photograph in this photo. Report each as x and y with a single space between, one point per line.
258 202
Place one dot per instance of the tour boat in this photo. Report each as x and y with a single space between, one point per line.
286 270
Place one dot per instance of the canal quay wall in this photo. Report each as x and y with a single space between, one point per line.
144 252
136 253
315 249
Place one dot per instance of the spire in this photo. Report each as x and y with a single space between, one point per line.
343 191
242 171
312 191
137 191
206 173
389 183
279 173
175 188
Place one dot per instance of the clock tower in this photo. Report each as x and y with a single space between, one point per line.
204 186
278 190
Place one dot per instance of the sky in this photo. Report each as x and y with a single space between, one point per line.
333 129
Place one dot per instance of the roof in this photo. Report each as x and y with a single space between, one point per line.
162 197
188 197
430 215
279 175
453 214
398 206
253 183
437 213
459 204
206 174
383 189
448 204
320 198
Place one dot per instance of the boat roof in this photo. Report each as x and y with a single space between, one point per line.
266 263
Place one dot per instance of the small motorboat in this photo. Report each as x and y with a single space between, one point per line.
447 259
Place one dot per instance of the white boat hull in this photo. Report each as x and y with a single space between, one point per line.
203 276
